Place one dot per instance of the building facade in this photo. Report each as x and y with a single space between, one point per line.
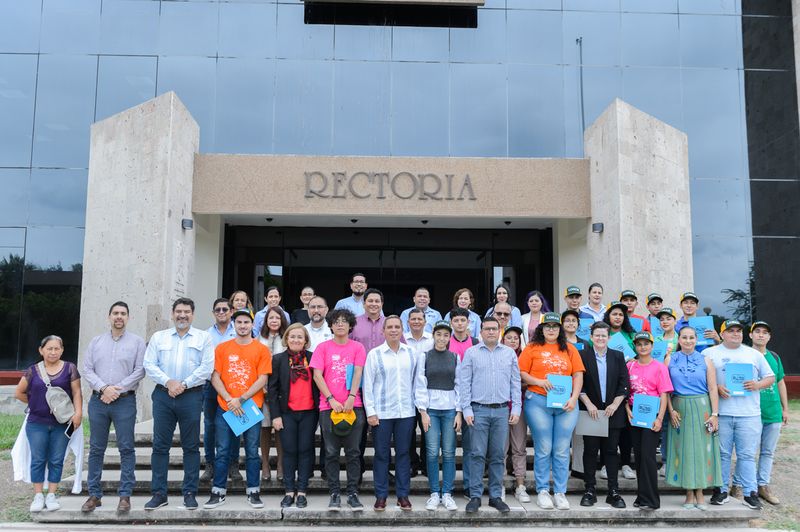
510 79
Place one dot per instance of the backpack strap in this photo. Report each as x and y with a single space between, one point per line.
43 374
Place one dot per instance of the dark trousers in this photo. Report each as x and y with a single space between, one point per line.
399 430
297 440
608 449
645 443
418 460
122 413
333 447
625 447
210 407
168 412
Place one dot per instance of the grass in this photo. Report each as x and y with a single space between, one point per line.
9 428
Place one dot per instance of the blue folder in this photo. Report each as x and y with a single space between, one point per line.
618 342
349 375
637 324
584 328
562 389
655 327
735 377
645 410
702 324
579 346
660 350
252 415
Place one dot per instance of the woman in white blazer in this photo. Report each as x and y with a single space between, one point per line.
537 306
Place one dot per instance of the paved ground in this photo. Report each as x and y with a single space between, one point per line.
28 527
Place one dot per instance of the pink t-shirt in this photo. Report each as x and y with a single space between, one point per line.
333 359
652 379
460 348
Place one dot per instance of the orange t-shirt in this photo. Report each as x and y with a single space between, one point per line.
239 367
541 360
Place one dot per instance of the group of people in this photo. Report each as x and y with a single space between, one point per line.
353 370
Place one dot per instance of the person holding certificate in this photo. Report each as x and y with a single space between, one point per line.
605 387
649 386
547 355
692 453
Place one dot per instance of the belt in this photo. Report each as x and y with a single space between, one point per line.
491 405
193 389
123 394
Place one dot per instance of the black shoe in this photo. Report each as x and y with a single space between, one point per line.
287 501
254 500
215 500
208 473
301 502
719 497
589 498
335 503
190 502
499 505
473 505
614 499
752 501
354 503
158 500
234 474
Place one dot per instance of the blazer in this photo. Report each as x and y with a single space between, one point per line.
617 383
280 382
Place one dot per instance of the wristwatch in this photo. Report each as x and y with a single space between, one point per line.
714 414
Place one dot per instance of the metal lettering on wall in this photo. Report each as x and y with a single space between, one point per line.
383 185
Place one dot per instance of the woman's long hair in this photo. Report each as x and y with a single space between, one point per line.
538 337
626 323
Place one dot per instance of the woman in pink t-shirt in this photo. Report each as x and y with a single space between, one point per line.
647 377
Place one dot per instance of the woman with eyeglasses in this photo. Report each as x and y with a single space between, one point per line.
693 460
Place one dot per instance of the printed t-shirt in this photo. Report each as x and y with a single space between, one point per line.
650 379
771 409
541 360
739 405
332 359
239 366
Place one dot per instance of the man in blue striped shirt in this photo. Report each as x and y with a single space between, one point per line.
179 360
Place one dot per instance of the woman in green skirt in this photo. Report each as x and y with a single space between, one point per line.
692 460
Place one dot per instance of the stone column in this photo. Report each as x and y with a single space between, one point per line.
639 173
141 166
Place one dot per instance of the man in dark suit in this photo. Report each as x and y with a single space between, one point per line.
605 387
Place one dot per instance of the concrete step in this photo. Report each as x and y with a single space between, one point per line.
419 484
237 511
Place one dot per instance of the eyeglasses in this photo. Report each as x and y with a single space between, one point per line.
502 314
491 329
340 322
221 310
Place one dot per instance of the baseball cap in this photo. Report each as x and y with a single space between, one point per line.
628 293
760 324
654 295
342 422
570 312
514 328
442 324
241 312
572 290
667 310
643 336
727 324
689 295
551 317
617 304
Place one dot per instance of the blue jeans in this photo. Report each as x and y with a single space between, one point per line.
48 445
488 442
122 413
770 432
743 432
552 435
402 431
441 428
227 439
466 438
168 412
210 407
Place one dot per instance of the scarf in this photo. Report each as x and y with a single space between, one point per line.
297 366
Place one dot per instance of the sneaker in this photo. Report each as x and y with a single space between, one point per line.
433 502
215 500
301 501
628 473
449 503
190 502
499 505
38 503
51 503
544 501
589 498
353 502
157 501
254 500
522 494
335 503
603 473
287 501
473 505
735 492
765 493
614 499
561 501
751 501
719 497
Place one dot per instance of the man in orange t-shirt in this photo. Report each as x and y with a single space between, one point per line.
241 367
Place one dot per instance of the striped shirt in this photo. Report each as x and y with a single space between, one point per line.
489 376
188 359
389 382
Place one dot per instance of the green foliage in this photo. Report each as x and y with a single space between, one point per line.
9 428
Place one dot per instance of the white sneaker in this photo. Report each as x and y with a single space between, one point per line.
603 473
433 502
449 503
52 503
503 494
561 501
544 501
521 494
38 503
628 473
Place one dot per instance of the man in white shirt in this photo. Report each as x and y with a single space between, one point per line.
318 329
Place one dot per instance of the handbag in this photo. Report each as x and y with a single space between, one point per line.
57 399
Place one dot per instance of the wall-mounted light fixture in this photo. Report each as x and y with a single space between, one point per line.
187 223
597 227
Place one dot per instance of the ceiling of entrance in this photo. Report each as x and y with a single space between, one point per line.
473 222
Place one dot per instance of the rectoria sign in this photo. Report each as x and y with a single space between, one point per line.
383 185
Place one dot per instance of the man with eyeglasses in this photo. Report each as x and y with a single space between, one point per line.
502 311
318 330
221 331
355 302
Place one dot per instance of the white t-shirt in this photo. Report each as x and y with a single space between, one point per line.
743 405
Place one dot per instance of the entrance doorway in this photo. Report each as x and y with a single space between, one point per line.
396 261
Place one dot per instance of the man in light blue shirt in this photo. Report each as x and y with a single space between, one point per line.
488 380
422 298
355 303
180 360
